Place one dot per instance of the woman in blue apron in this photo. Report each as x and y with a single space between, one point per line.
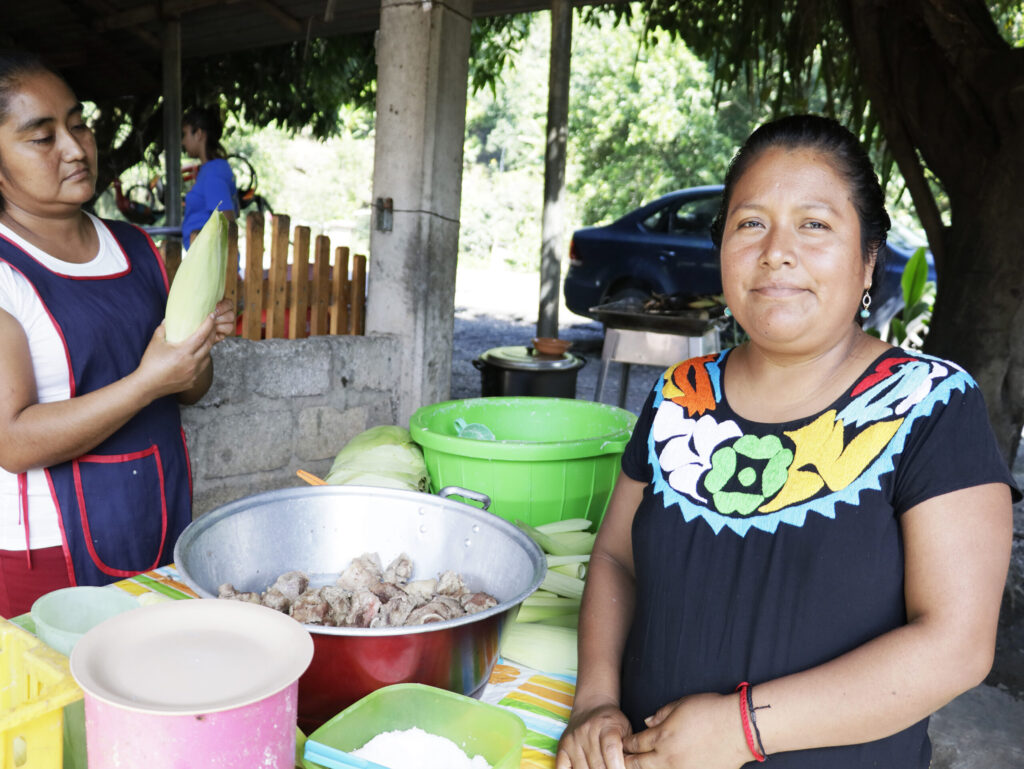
94 472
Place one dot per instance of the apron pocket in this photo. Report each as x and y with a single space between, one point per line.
122 503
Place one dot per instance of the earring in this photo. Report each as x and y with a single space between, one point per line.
865 304
727 312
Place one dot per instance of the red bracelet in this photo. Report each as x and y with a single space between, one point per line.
743 688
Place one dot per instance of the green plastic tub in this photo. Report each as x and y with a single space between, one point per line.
479 728
552 458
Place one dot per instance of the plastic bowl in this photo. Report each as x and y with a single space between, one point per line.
65 615
553 458
479 728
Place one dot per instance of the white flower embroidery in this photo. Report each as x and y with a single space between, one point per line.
691 442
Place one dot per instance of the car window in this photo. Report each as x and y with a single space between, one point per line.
694 217
656 221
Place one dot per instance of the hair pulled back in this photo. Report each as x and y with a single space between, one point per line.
207 119
841 150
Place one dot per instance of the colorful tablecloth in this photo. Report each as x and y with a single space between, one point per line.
541 700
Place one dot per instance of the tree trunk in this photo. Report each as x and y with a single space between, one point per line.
950 95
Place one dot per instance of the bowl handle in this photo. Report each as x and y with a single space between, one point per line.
458 491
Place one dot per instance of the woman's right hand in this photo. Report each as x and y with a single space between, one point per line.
166 368
593 739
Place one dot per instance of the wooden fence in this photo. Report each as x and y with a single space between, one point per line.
295 297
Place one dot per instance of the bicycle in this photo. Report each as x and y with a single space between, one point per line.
138 203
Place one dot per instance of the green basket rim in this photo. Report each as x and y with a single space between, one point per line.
611 442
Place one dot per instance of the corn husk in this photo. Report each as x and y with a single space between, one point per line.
383 456
199 282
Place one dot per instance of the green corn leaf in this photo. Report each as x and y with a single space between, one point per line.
915 275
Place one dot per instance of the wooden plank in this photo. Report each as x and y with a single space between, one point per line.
339 292
231 275
252 301
172 257
320 294
297 328
357 296
277 280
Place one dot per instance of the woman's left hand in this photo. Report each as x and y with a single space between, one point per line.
702 731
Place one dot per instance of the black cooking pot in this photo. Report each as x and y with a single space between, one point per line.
524 371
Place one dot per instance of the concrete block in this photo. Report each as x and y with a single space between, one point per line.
289 368
980 729
241 443
323 430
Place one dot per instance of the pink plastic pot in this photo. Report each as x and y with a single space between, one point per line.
192 685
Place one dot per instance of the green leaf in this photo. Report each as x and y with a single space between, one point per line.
897 331
915 275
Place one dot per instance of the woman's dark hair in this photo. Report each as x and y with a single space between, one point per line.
15 65
846 155
207 119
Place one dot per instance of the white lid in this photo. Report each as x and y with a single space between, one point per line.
192 656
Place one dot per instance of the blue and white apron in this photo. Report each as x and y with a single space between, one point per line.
123 505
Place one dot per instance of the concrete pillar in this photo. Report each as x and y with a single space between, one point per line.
422 69
553 220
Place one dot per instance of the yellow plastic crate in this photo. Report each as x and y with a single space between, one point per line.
35 685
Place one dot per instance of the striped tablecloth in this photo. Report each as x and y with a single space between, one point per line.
541 700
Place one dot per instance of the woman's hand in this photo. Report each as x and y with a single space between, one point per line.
593 739
702 731
224 320
168 368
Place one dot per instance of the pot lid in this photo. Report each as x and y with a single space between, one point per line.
528 359
191 657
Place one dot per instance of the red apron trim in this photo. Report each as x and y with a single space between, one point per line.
68 562
23 513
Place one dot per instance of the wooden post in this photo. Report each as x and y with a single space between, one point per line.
252 327
339 292
231 275
277 293
357 296
297 328
320 298
172 257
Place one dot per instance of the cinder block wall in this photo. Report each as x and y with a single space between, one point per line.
280 405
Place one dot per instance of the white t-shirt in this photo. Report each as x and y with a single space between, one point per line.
50 365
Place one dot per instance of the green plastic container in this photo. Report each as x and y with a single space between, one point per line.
479 728
553 458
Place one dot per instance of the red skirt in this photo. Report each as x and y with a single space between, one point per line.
21 585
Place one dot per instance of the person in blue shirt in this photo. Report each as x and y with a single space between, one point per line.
214 188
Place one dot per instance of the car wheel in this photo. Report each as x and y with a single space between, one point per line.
630 293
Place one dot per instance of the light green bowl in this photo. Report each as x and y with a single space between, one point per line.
65 615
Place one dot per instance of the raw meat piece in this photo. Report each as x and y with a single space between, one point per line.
474 602
399 570
394 613
421 590
364 571
340 601
311 608
365 606
451 583
227 590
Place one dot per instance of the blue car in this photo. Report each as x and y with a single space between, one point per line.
665 247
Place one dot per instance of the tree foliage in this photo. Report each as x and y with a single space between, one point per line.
295 87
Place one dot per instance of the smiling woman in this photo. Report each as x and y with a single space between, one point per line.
805 552
94 475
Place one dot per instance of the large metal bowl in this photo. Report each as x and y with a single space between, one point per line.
318 530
